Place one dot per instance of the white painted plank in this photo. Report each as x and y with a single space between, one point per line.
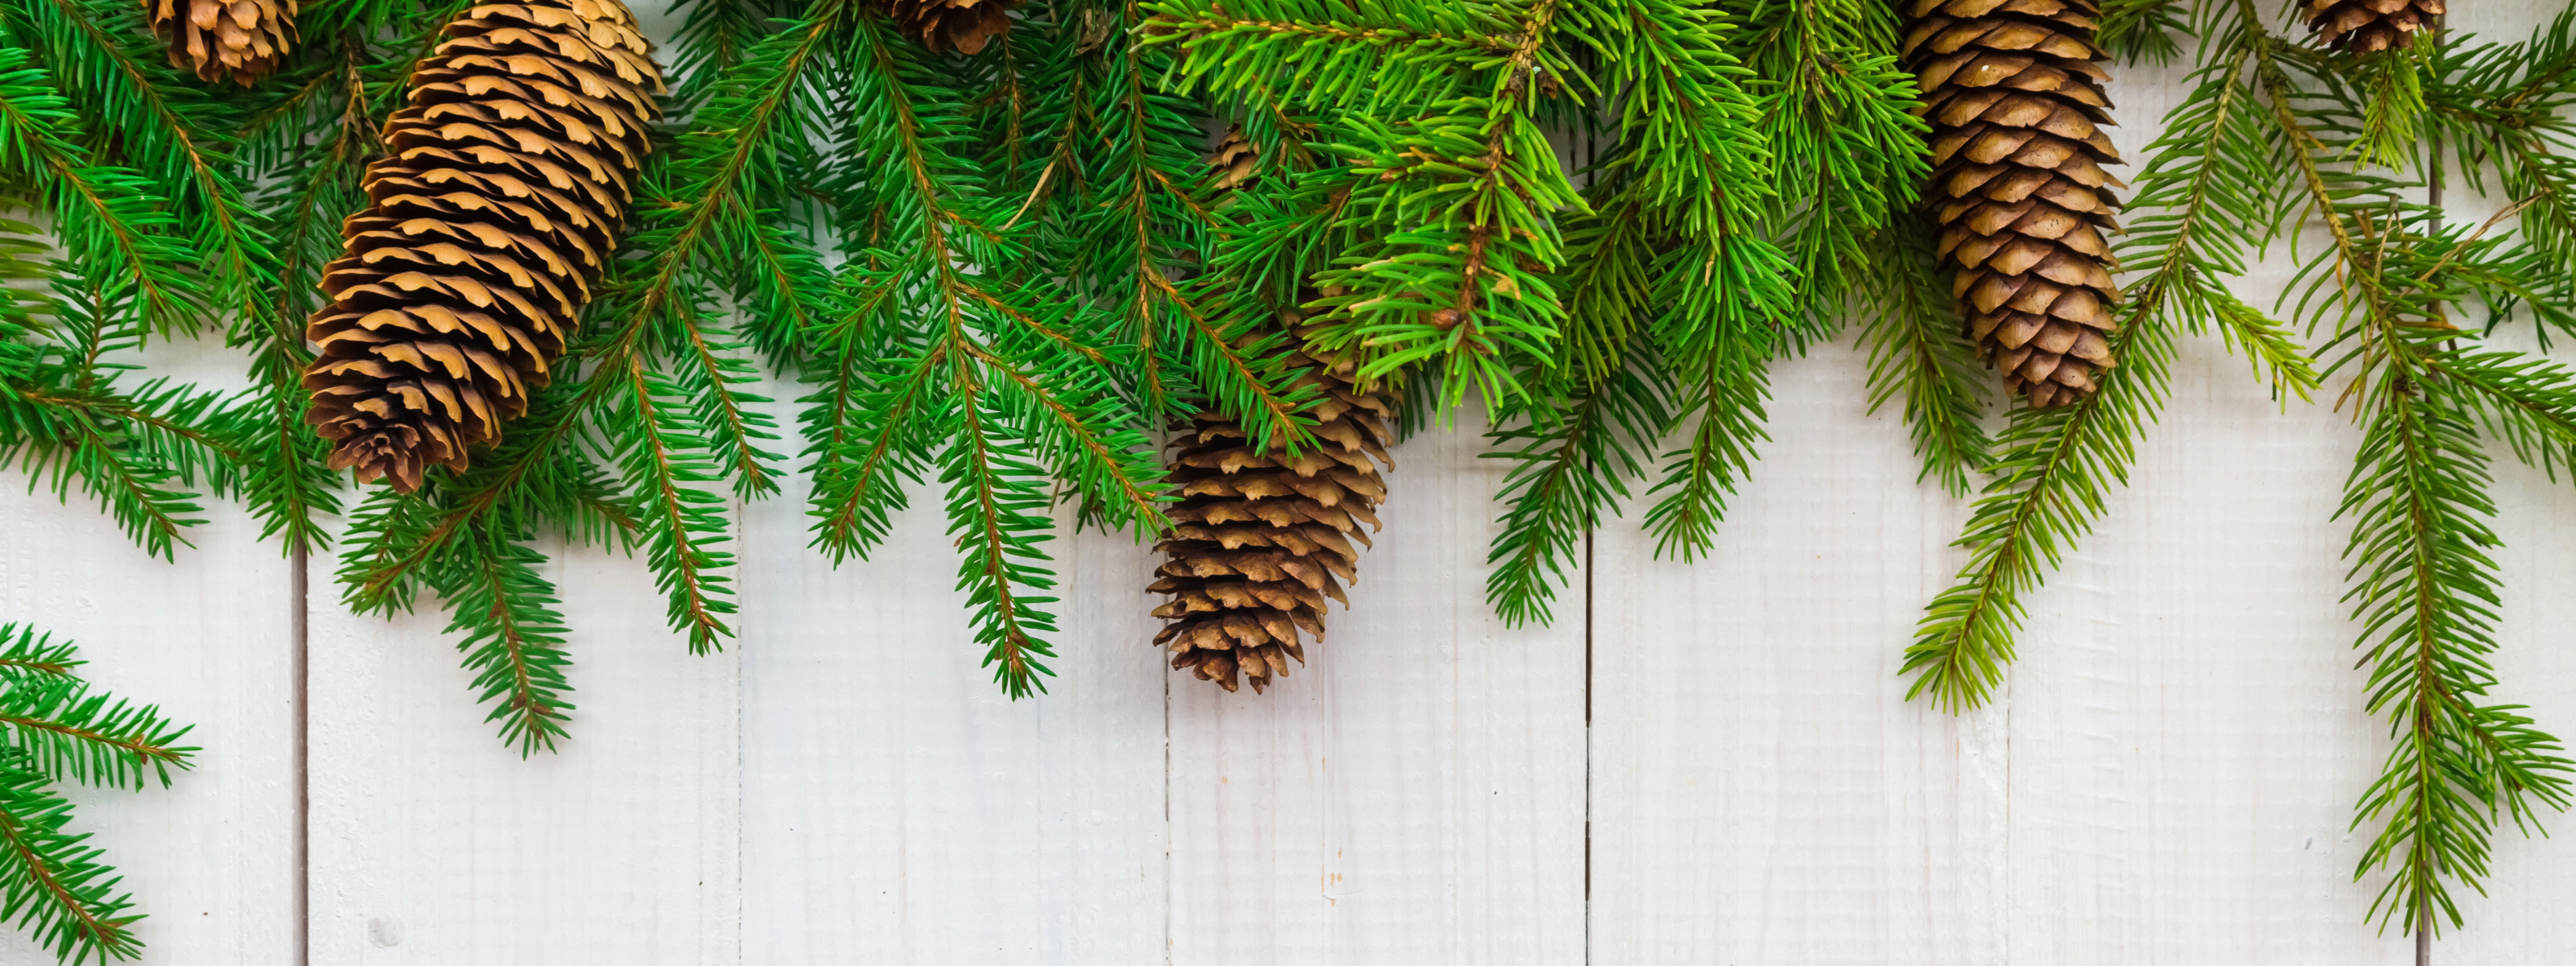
2524 921
1761 792
898 808
435 844
2187 736
211 859
1413 794
2187 732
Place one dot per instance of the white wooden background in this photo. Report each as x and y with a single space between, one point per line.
1698 765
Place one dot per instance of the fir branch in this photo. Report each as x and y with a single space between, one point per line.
1574 458
164 127
2050 481
26 654
53 885
2425 592
65 731
1911 333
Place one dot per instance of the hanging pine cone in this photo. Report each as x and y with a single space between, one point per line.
237 40
964 26
510 174
1259 538
2370 26
2013 91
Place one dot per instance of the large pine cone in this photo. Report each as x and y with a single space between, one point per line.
1259 538
511 172
2370 26
2013 91
237 40
964 26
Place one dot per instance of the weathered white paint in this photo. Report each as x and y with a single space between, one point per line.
210 639
2166 779
434 844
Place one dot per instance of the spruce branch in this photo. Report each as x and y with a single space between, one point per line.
2207 197
1915 351
165 127
53 728
993 380
27 654
2424 589
53 884
2425 592
72 734
1573 458
2049 482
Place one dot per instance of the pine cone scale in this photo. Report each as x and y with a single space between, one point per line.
218 40
2015 98
510 175
1262 538
2370 26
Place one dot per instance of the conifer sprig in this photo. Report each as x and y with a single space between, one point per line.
2203 209
954 360
1912 335
140 452
2277 137
2389 285
54 728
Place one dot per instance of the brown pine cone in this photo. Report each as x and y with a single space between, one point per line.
237 40
2370 26
964 26
1259 538
1236 161
511 172
2013 91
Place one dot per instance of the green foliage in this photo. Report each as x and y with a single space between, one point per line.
2276 140
1760 156
1004 275
53 728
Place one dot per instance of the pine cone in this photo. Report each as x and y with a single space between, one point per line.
237 40
964 26
2370 26
1258 538
1236 160
511 171
2013 91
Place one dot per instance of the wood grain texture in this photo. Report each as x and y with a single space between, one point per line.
899 809
208 638
433 843
1413 794
1761 792
2167 778
2186 721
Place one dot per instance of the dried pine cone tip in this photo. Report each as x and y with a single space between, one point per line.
510 174
236 40
2015 98
2370 26
1236 159
965 26
1261 538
